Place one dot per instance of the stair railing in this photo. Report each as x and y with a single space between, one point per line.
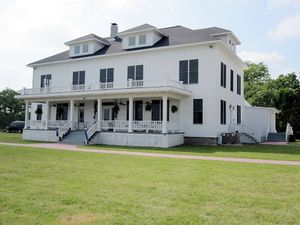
254 133
63 130
90 132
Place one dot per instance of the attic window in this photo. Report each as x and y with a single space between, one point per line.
142 39
77 49
131 41
85 48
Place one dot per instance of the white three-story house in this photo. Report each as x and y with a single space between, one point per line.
143 87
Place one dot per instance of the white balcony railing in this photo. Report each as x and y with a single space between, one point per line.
103 86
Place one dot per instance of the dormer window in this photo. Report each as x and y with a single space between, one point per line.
85 48
77 49
131 41
142 39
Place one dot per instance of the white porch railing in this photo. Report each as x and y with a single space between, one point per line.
63 130
115 125
53 124
110 85
147 126
90 132
37 124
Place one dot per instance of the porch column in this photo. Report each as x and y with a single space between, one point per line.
130 120
71 113
165 115
99 109
46 115
26 114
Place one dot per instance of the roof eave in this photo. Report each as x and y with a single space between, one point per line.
87 40
122 34
228 32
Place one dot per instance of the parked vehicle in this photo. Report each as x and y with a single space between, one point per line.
15 126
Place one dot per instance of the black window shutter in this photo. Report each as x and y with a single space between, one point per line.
130 72
139 72
42 81
82 77
75 78
103 75
110 75
193 71
231 80
224 79
183 71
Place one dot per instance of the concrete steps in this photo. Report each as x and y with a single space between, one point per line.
74 138
276 137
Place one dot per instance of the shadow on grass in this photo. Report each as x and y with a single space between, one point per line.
272 149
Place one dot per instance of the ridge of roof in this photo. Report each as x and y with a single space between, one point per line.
88 37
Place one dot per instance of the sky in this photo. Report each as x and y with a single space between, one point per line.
34 29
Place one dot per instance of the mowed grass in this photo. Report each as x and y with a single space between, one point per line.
40 186
274 152
13 138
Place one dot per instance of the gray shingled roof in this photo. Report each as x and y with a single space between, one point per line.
145 26
89 37
177 35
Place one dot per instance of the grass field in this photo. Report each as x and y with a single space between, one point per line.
286 152
39 186
13 138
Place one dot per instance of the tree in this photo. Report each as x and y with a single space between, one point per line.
282 93
10 108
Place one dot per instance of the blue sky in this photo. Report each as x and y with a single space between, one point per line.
33 29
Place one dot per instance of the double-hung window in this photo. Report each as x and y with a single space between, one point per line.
238 84
77 49
223 75
198 111
239 114
131 41
223 112
79 80
107 77
136 74
46 80
142 39
188 71
231 80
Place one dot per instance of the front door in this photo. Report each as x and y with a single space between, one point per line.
81 124
107 113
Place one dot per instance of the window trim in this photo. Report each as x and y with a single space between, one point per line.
132 38
135 72
107 74
87 48
194 111
79 74
77 47
188 71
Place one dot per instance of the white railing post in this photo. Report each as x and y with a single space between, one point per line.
71 113
99 109
47 115
165 111
26 114
130 114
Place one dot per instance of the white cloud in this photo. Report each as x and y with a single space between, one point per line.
288 28
275 61
279 4
257 57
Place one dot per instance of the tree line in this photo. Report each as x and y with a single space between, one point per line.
260 89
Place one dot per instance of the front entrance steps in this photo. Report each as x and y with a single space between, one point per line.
276 137
74 138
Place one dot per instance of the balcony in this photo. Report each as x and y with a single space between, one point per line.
96 87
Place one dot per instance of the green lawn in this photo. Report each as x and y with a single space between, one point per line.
13 138
39 186
287 152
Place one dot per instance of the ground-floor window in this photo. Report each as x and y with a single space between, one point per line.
239 114
223 112
157 110
198 111
62 111
39 109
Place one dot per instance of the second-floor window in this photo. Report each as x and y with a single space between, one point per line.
76 49
46 80
223 75
231 80
188 71
85 48
107 75
79 78
135 72
238 84
142 39
131 41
